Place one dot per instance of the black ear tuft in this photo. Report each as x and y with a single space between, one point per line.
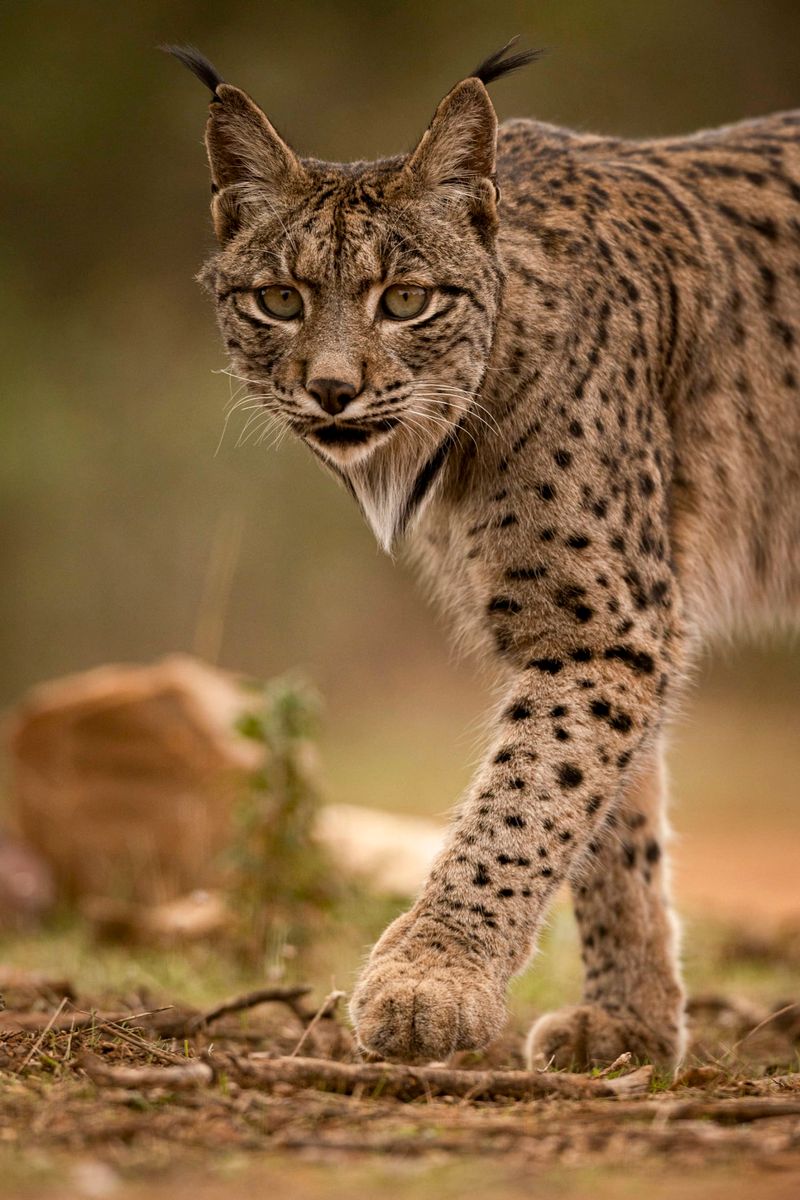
197 63
502 63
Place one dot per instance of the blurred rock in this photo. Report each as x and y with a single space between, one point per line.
201 914
771 943
123 784
124 777
393 852
27 887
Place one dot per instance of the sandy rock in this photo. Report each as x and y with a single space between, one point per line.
27 887
392 851
123 777
200 915
123 783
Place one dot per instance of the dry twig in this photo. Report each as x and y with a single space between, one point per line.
326 1009
380 1079
34 1050
190 1074
773 1016
731 1112
285 995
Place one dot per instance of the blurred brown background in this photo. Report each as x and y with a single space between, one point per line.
128 533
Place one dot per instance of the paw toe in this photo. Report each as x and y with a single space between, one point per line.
587 1036
405 1017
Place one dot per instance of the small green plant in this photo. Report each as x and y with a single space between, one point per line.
284 881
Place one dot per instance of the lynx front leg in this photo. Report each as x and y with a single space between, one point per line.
569 736
632 999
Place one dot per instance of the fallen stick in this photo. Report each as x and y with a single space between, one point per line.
326 1009
191 1074
140 1043
732 1112
410 1083
773 1016
284 995
379 1079
35 1047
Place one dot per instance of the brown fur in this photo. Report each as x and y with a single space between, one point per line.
592 441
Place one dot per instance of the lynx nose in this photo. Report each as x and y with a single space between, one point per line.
333 395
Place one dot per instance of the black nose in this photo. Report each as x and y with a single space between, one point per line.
333 395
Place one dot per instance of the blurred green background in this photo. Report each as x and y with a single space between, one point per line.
128 531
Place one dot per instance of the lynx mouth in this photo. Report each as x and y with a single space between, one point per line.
341 435
351 435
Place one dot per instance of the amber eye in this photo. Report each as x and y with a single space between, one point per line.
279 300
402 301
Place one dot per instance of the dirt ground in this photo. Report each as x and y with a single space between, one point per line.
728 1127
120 1095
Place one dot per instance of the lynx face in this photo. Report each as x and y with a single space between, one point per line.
358 301
360 312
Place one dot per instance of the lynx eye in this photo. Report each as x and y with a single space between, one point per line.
402 301
280 300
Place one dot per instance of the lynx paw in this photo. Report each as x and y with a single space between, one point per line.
417 1011
588 1036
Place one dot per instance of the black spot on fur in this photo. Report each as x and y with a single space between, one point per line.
504 604
637 660
548 666
525 573
582 654
570 776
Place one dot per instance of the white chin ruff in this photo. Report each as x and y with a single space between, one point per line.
394 485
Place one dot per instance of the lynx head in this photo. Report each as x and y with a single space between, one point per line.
358 300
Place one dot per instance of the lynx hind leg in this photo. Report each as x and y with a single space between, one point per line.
633 999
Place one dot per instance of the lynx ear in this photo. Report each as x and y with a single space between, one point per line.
249 160
457 149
